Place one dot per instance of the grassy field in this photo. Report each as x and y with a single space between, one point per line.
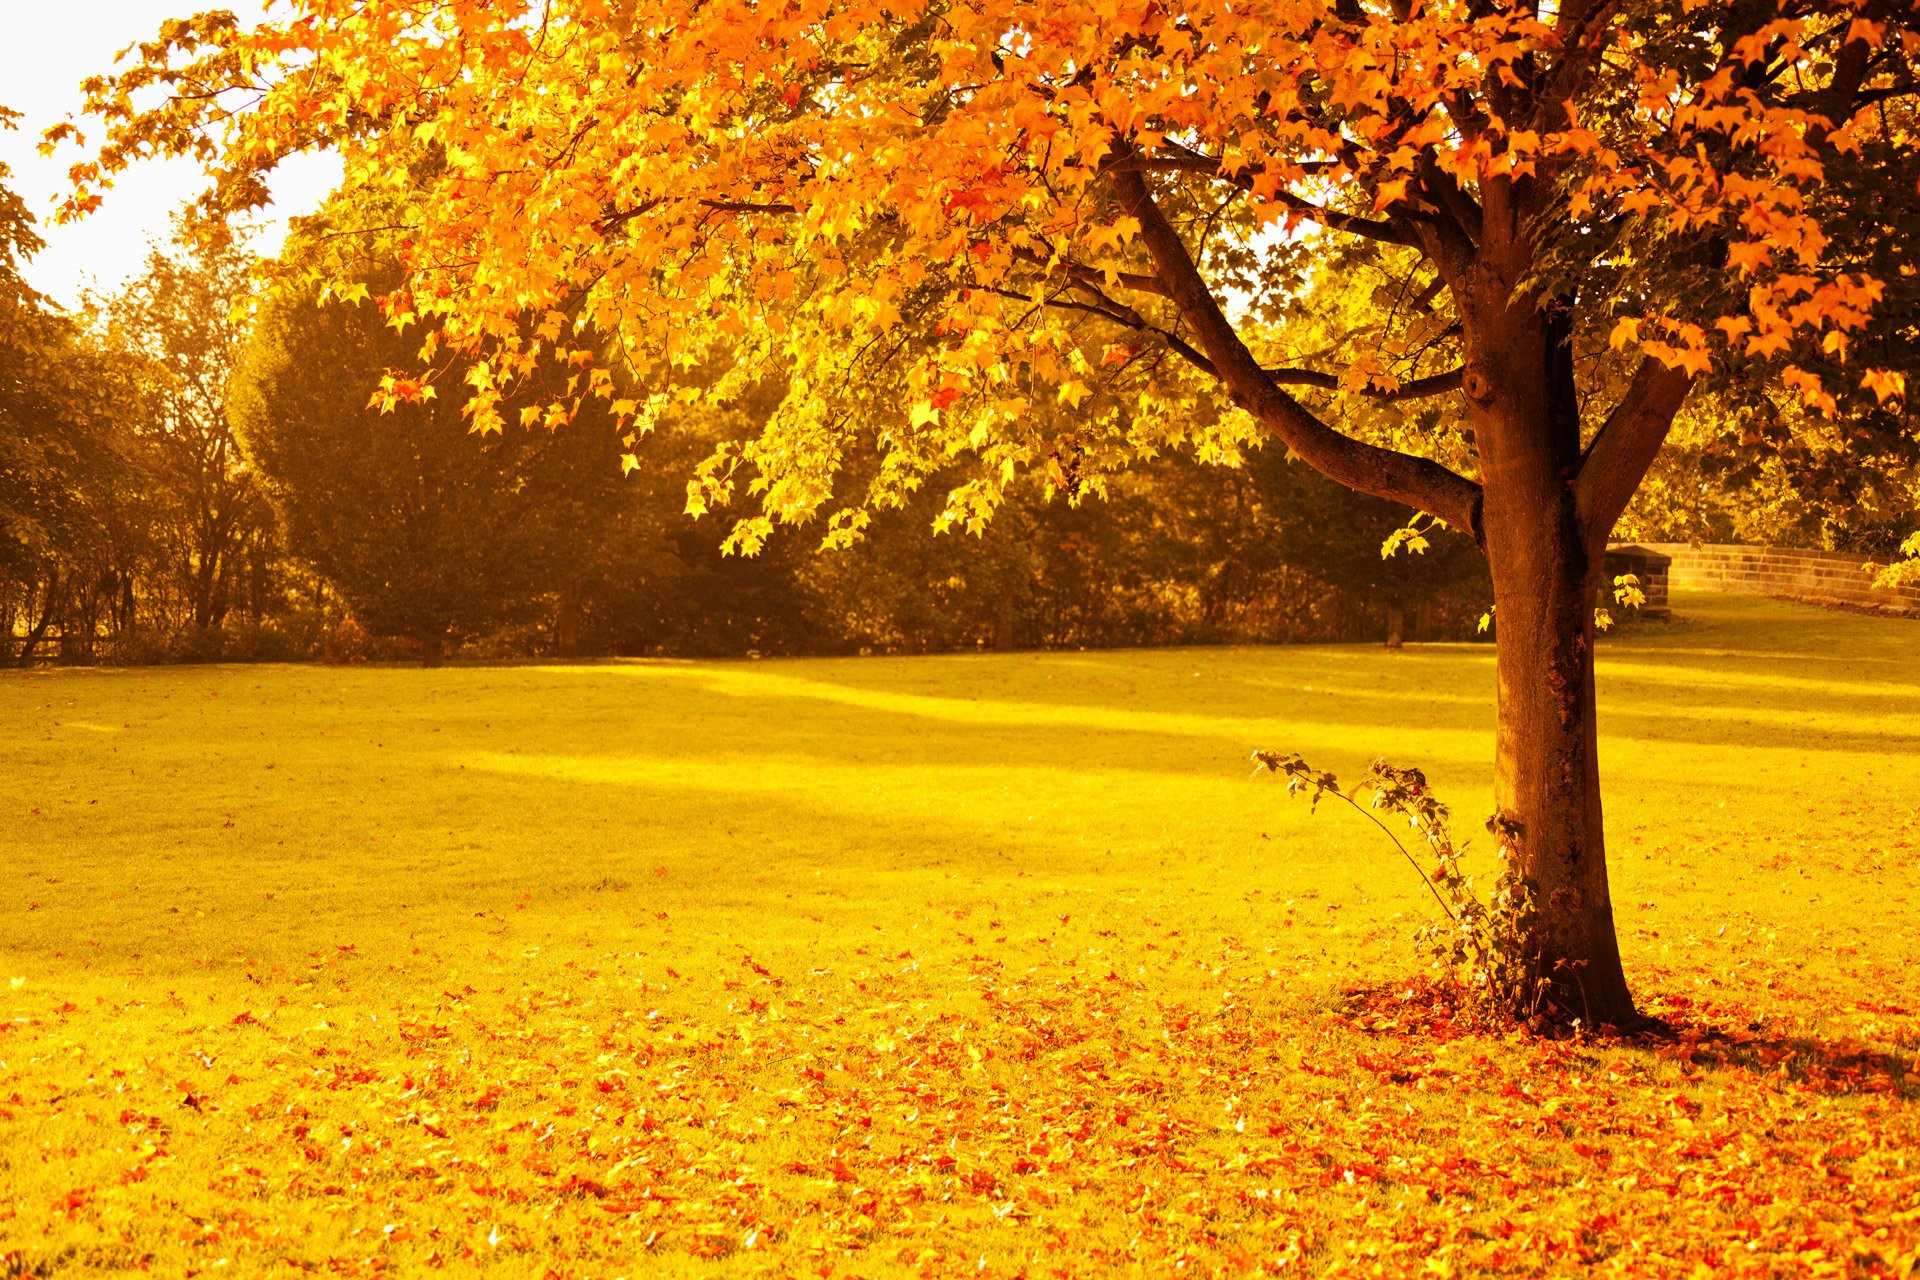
981 965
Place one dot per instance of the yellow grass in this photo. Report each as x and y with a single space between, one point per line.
960 965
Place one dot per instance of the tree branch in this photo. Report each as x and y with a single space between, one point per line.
1433 385
1185 160
1385 473
1617 458
1352 224
1090 275
1124 316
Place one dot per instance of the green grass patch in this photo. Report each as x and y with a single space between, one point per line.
991 964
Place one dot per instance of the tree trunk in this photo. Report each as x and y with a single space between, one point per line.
203 583
1396 623
1546 768
566 623
50 601
1547 774
1004 638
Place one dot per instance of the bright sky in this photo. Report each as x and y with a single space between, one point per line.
49 47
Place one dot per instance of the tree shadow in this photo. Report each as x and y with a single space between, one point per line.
1679 1030
1674 1029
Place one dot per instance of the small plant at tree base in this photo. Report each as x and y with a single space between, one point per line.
1481 943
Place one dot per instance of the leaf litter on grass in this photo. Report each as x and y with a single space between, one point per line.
1030 1110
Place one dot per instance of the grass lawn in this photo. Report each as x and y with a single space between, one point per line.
980 965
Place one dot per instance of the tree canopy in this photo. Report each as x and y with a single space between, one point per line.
948 216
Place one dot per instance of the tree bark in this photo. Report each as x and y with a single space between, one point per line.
1546 766
1545 567
1396 624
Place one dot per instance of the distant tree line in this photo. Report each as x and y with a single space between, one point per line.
188 473
181 480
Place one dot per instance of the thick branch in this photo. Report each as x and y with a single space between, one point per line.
1385 473
1433 385
1352 224
1626 445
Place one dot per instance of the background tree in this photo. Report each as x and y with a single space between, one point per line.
656 581
180 321
1770 473
427 532
1177 552
932 219
64 464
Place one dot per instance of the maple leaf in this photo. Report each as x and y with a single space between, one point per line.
1886 384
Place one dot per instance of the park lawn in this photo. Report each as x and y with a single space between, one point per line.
982 965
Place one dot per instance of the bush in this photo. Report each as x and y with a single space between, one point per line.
290 638
1478 945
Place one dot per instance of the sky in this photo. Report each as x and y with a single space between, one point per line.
50 46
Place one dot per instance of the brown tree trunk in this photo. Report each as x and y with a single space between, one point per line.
1547 774
566 623
1004 638
50 603
1396 623
204 576
1546 766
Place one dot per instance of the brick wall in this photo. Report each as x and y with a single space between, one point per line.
1822 577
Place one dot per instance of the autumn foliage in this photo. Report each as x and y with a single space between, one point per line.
812 185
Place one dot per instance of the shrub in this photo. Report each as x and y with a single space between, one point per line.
1479 944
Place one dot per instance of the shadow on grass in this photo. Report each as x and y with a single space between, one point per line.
1683 1031
1676 1029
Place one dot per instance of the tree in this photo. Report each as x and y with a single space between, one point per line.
1770 473
427 532
179 321
656 582
64 466
935 218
